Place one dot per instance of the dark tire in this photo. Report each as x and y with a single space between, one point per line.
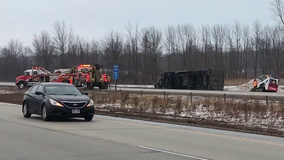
88 118
44 114
25 111
21 85
106 86
89 86
84 84
103 86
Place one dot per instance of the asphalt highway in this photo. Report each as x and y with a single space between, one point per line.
111 138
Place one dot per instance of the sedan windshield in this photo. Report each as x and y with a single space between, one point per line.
62 90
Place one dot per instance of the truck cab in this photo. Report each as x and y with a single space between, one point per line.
26 79
32 76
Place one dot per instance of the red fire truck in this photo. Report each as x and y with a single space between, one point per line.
32 76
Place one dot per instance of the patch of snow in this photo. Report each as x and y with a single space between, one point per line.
5 92
133 86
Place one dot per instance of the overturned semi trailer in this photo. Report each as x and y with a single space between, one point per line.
205 79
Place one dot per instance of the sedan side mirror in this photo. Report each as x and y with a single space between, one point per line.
38 93
86 93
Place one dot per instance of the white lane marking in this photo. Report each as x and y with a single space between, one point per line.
173 153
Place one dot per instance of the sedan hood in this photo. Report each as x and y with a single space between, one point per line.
70 97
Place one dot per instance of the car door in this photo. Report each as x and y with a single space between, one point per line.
39 99
32 100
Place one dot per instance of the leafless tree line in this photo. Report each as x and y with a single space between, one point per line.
241 51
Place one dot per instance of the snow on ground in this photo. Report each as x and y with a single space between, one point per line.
248 113
243 87
133 86
5 92
202 109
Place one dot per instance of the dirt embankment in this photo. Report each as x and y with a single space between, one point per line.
15 98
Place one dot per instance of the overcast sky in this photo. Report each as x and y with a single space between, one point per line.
20 19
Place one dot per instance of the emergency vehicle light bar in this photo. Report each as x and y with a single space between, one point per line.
85 65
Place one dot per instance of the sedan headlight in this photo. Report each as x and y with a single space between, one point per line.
53 102
91 103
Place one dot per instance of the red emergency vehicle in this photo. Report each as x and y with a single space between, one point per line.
32 76
85 75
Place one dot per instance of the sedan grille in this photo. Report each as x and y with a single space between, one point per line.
74 104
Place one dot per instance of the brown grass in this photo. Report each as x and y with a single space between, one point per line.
245 112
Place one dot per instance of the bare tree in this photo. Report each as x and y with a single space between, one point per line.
230 68
218 34
11 55
151 44
246 49
277 9
74 51
187 39
113 46
95 52
63 39
277 44
43 49
206 43
172 48
239 54
257 39
266 50
133 49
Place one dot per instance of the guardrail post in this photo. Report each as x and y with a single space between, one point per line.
141 93
191 97
164 94
224 98
267 100
100 91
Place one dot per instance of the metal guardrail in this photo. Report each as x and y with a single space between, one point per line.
218 94
202 93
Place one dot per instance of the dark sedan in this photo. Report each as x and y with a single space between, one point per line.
57 100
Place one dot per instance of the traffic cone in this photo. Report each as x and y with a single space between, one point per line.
71 79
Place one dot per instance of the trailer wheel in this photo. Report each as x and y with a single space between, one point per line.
65 81
157 86
86 85
103 86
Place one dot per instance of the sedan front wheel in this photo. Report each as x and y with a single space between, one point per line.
44 114
25 111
